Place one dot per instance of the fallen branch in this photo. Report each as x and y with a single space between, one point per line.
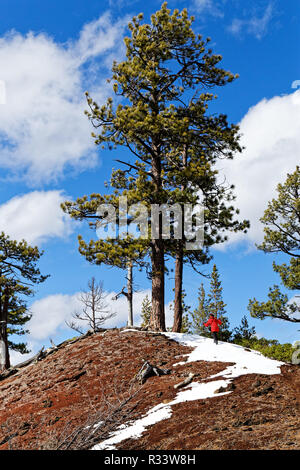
35 358
42 354
185 382
147 370
53 344
13 370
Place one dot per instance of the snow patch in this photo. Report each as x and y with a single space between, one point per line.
246 361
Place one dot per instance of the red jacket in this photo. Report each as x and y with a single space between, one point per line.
214 324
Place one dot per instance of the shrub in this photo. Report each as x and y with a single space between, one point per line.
268 347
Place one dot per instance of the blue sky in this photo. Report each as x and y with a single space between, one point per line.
50 54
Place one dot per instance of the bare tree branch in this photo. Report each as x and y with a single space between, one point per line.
95 309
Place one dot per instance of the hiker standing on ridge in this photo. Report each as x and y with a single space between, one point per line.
214 323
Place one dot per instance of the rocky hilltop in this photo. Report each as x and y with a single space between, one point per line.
82 394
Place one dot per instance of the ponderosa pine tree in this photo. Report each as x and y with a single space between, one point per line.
18 272
161 119
282 235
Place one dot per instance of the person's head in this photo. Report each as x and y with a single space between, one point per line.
211 315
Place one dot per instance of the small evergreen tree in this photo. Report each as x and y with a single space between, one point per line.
243 331
186 323
146 312
186 326
200 314
216 306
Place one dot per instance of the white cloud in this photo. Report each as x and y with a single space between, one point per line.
96 38
255 25
48 320
209 6
36 217
271 135
43 128
49 315
295 300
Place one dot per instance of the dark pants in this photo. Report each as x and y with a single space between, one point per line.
215 336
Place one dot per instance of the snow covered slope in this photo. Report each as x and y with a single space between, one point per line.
245 362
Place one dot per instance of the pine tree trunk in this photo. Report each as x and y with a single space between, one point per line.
179 269
178 289
4 352
2 349
93 305
129 294
157 320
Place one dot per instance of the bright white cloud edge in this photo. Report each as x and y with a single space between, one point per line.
36 217
271 137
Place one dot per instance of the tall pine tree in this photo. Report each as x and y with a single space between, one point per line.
161 119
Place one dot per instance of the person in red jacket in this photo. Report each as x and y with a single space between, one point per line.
214 323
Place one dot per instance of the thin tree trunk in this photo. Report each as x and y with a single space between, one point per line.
2 343
157 320
129 293
4 351
178 310
93 293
